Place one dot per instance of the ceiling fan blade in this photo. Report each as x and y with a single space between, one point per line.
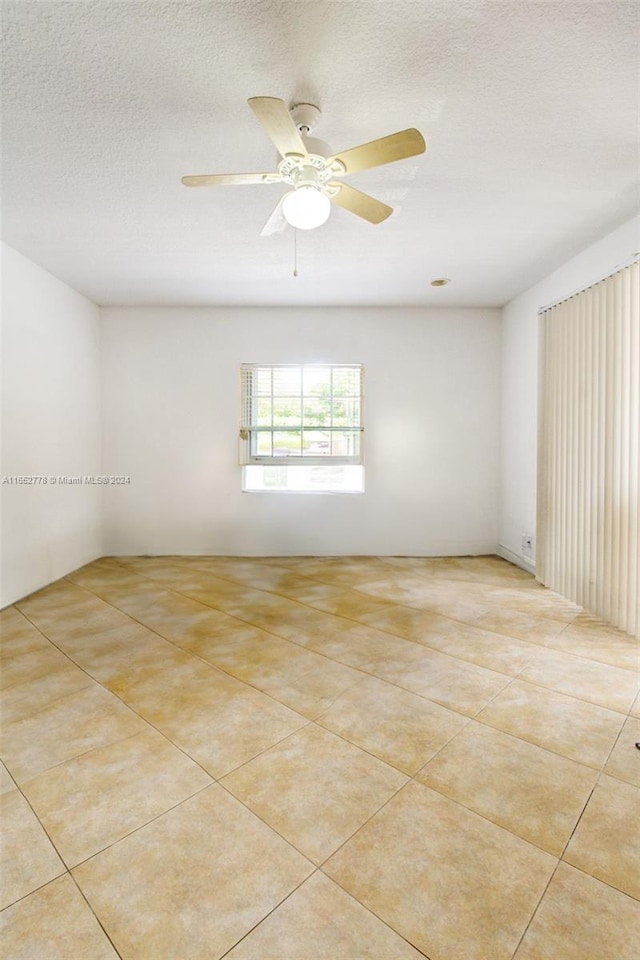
276 222
360 203
274 116
397 146
220 179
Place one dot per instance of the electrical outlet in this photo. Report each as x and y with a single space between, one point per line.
527 545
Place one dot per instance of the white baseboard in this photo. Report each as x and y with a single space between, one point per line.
524 562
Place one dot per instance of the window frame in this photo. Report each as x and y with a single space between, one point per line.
250 429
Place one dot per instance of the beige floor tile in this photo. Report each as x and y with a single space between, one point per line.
7 783
93 632
232 598
409 590
141 600
312 690
169 614
23 667
65 729
249 653
580 918
356 645
63 605
260 576
399 727
589 680
133 596
239 730
299 678
484 570
602 643
309 591
535 794
462 640
90 802
61 595
201 624
533 599
17 634
606 843
24 699
54 923
64 627
119 658
94 576
28 858
341 601
512 623
454 600
578 730
624 761
190 690
219 721
314 789
438 873
288 618
193 882
321 920
230 658
341 571
464 687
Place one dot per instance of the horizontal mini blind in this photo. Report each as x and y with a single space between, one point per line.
303 414
589 437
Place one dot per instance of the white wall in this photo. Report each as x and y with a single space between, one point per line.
171 413
520 379
50 427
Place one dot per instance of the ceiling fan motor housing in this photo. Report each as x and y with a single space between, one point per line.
306 117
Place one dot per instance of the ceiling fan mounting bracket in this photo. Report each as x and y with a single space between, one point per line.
306 117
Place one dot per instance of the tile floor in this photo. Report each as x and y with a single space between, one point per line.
316 759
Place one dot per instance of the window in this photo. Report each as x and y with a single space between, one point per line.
301 427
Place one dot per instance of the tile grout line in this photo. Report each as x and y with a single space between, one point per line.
360 623
171 590
362 669
308 722
542 647
476 716
216 780
350 588
187 755
512 678
98 920
331 880
279 702
314 721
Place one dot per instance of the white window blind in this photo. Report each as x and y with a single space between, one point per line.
301 414
588 484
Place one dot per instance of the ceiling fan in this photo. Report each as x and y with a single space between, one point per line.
310 168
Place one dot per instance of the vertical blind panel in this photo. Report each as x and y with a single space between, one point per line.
589 439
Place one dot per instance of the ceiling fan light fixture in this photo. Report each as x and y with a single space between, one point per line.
306 208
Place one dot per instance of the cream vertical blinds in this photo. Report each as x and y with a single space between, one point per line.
589 438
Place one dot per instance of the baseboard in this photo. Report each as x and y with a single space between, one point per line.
523 562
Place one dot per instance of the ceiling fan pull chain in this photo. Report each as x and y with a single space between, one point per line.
295 252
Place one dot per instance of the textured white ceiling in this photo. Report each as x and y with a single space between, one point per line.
529 109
